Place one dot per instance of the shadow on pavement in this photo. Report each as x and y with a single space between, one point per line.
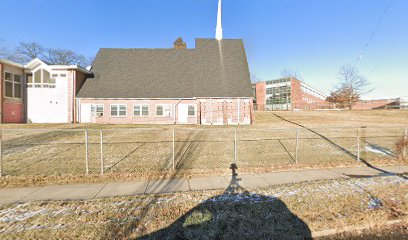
236 214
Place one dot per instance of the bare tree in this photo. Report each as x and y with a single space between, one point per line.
63 57
288 73
27 51
30 50
180 44
352 85
3 50
254 78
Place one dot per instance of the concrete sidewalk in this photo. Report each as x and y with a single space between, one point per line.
247 181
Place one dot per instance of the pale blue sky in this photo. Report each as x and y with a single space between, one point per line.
314 37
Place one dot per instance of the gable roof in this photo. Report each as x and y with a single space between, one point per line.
212 69
37 62
8 62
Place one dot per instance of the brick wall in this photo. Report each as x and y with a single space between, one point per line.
260 95
208 111
12 109
13 112
376 104
298 98
226 111
130 119
1 92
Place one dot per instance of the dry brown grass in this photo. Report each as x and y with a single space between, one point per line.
46 154
269 212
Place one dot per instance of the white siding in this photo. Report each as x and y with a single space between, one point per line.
48 105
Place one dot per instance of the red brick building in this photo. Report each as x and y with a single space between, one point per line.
288 94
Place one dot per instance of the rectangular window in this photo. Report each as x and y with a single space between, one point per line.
159 110
141 110
164 110
54 75
191 110
12 84
29 78
118 110
37 77
145 110
17 78
63 75
122 110
8 76
114 110
97 110
137 111
17 90
8 82
9 89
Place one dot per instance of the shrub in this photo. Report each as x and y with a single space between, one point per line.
402 148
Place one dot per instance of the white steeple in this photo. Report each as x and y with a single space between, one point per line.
218 34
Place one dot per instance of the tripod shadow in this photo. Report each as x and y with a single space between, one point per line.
236 214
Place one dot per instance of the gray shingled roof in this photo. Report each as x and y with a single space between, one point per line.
212 69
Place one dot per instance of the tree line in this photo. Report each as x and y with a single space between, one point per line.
27 51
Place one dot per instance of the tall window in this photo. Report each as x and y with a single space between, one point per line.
164 110
97 110
12 83
141 110
118 110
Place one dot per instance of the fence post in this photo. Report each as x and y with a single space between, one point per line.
235 148
358 144
86 152
404 156
297 145
174 150
102 163
1 153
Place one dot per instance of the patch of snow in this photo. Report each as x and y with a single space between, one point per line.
378 150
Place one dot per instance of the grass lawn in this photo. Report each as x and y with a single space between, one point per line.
35 154
280 212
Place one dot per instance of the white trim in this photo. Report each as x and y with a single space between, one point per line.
195 110
118 116
195 98
163 104
141 110
13 83
56 67
8 62
239 110
95 113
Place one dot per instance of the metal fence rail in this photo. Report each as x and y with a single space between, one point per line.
154 152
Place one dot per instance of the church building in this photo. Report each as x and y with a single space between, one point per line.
208 85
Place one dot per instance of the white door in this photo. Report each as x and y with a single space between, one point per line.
182 114
85 113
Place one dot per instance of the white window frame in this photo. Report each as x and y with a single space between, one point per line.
42 84
140 110
118 110
94 110
134 110
164 110
13 82
188 111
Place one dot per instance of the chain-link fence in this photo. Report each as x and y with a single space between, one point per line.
189 152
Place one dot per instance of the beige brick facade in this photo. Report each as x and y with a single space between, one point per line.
207 111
